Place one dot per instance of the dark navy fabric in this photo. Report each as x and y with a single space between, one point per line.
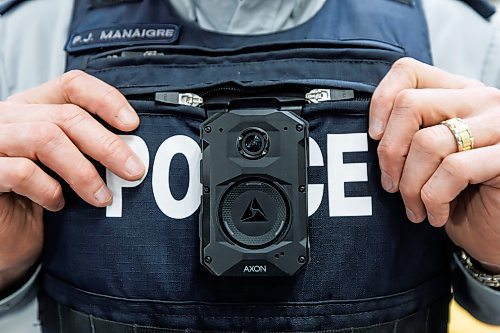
143 267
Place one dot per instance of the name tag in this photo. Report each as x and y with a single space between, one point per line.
127 35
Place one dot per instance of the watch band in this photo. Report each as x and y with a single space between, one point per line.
487 279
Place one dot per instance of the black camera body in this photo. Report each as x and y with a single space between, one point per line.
253 219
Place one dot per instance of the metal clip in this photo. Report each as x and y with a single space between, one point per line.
318 95
324 95
190 99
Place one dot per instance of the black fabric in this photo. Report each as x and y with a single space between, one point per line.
57 318
102 3
483 7
8 5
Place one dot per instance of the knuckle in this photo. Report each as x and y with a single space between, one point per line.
405 99
84 174
378 99
47 134
452 165
403 64
71 115
111 144
424 141
110 95
427 196
68 79
408 191
386 151
22 171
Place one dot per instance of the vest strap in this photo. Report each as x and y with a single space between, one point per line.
8 5
482 7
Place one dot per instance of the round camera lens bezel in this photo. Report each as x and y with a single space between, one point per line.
242 141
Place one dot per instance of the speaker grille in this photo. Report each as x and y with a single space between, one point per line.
254 213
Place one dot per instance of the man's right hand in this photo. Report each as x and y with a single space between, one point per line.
51 125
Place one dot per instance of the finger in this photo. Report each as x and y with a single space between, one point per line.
428 149
24 177
79 88
415 109
85 132
47 143
455 173
408 73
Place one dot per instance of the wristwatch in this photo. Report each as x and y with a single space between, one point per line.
471 265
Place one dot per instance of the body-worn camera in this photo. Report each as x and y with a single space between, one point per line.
253 219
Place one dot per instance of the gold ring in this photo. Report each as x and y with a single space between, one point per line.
462 133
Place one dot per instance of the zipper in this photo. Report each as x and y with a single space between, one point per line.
130 54
188 99
313 96
328 95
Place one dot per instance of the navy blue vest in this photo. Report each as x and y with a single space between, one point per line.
138 261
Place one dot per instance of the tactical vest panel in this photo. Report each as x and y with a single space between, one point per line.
138 261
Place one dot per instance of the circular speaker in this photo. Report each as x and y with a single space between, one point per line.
254 213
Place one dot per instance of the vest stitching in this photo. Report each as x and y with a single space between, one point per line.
92 327
395 328
427 319
242 64
59 315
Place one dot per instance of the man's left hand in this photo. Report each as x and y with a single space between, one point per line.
419 156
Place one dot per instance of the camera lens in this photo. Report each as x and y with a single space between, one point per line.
253 143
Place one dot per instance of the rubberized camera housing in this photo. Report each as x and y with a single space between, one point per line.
253 218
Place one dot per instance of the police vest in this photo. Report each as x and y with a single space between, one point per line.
137 261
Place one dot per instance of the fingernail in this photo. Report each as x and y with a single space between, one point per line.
432 219
387 183
376 127
127 116
60 205
103 195
411 215
134 166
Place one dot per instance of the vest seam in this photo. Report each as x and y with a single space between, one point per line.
244 64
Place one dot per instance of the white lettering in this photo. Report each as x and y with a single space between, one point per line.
177 209
340 173
315 191
255 269
127 33
160 33
106 35
136 34
76 39
116 184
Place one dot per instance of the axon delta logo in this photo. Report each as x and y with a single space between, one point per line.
254 213
329 156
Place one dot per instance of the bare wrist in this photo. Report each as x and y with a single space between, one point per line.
491 268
